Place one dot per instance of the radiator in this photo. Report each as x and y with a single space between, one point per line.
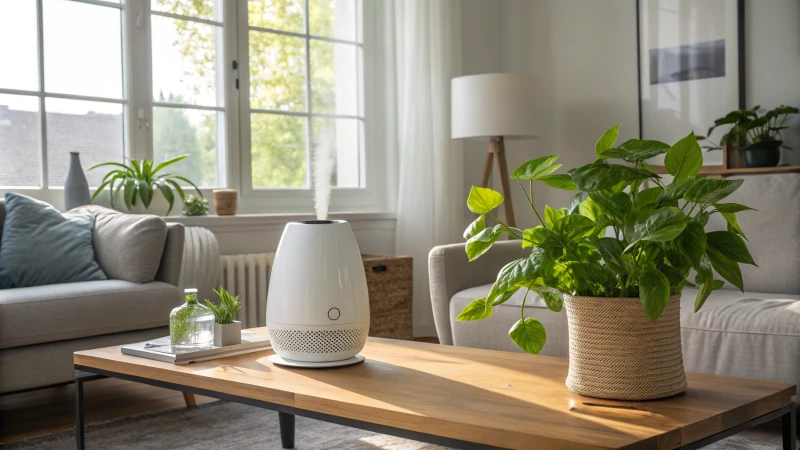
248 277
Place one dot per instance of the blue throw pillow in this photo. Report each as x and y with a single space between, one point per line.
41 246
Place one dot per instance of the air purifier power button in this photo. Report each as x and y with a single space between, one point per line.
334 313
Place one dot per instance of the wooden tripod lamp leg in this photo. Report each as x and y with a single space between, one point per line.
487 167
502 169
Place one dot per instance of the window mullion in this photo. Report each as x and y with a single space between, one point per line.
309 110
42 111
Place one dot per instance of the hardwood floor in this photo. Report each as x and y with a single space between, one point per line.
50 410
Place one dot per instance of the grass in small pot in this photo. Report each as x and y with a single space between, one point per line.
229 305
617 238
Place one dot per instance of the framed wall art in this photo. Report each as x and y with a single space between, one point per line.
691 67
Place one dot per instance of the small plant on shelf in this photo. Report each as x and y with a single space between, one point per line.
195 206
139 181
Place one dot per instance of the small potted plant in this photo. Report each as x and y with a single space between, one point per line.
195 206
617 259
759 136
227 330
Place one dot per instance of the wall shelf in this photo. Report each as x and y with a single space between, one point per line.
723 172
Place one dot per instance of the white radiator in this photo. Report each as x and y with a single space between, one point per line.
248 277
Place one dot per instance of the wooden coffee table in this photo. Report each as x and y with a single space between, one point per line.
461 397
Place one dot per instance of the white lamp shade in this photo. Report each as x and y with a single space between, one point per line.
495 104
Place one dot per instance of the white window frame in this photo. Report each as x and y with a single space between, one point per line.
234 159
372 194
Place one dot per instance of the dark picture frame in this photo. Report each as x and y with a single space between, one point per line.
693 62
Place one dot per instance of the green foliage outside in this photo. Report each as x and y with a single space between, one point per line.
277 82
615 239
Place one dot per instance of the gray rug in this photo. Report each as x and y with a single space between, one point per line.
223 425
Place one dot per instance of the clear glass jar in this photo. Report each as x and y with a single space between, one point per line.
191 325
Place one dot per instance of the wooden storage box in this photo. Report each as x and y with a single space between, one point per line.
389 281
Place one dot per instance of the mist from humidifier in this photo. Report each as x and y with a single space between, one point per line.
322 166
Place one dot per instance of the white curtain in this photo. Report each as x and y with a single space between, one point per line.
423 46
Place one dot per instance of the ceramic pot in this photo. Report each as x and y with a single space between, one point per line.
763 154
76 188
617 352
318 308
227 334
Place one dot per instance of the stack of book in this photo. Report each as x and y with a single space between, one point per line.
161 349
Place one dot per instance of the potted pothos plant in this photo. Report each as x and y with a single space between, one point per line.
758 135
618 257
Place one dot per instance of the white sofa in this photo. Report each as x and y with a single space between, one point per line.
755 334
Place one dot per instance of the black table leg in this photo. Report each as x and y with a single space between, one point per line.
789 430
286 421
79 438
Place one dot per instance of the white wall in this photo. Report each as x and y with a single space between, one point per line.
584 53
772 58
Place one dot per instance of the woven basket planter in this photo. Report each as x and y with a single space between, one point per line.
617 352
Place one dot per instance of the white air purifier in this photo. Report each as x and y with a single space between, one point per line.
318 305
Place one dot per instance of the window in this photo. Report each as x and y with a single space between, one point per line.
187 54
246 88
65 93
304 86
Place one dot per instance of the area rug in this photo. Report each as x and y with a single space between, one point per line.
223 425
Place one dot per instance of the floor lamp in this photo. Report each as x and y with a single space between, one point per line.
497 106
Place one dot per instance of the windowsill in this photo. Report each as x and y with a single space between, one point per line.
248 220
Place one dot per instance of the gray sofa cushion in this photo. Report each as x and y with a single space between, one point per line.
128 246
773 232
40 314
2 217
42 246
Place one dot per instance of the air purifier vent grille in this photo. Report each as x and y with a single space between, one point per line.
322 341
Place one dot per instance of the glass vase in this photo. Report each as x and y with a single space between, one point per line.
191 325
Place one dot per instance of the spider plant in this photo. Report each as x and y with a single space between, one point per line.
139 179
225 313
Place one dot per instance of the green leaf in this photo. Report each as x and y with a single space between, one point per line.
599 177
693 242
145 193
531 169
732 208
635 150
475 227
476 310
130 192
529 335
552 300
197 189
514 274
617 205
100 189
674 191
539 236
478 245
653 292
551 216
559 181
590 209
730 245
726 268
733 224
116 164
167 163
505 296
575 203
178 188
136 168
483 200
611 251
607 140
706 191
663 225
167 193
648 196
684 159
573 226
